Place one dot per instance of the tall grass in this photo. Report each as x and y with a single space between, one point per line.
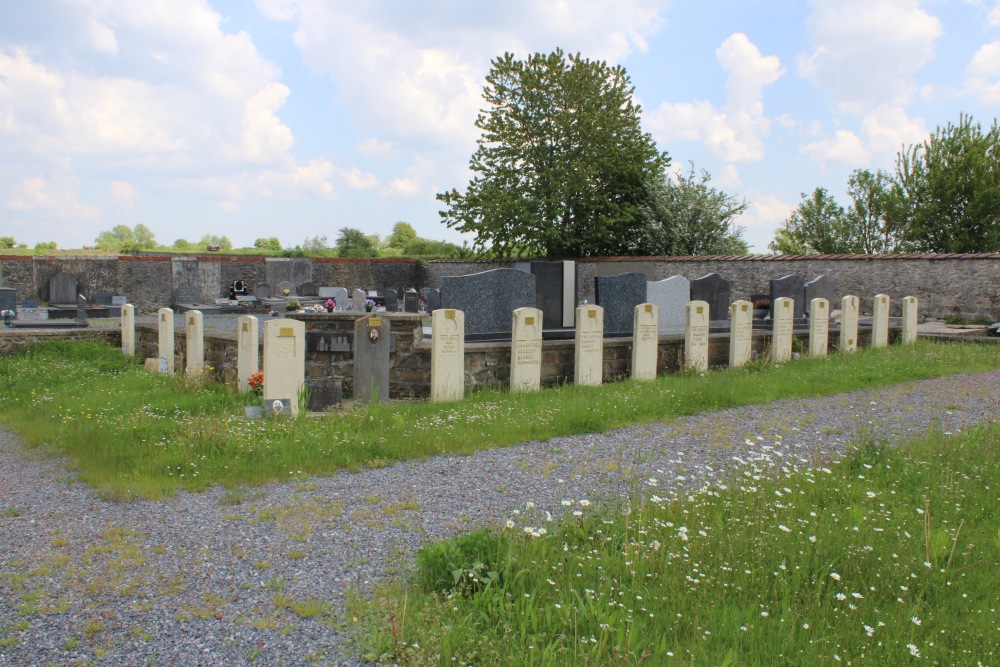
133 432
889 557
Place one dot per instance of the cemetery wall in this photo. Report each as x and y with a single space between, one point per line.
149 281
13 341
965 285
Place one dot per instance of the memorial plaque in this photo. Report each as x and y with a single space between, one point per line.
819 327
782 327
696 335
526 350
740 333
880 321
588 366
849 310
447 355
645 341
909 319
187 295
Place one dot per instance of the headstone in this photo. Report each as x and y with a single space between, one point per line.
187 295
358 298
371 358
62 288
8 299
792 287
526 349
713 290
447 355
103 298
488 299
128 329
696 335
820 287
819 327
909 319
645 341
671 296
31 314
27 303
279 289
880 321
263 291
247 350
324 393
195 341
81 308
782 326
618 296
555 291
411 301
165 339
432 298
119 300
588 362
284 365
391 301
307 289
849 308
740 333
338 294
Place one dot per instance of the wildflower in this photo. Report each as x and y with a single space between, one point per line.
784 528
567 503
916 621
841 596
509 524
835 576
805 626
584 503
914 651
857 596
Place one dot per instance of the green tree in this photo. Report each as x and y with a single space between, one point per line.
948 189
562 166
818 225
144 237
120 237
870 220
402 234
271 243
354 243
687 216
419 247
222 241
46 245
7 242
314 245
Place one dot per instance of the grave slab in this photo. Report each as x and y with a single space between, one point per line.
488 299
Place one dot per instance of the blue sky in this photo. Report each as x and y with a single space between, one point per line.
294 118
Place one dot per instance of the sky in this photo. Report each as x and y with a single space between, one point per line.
295 118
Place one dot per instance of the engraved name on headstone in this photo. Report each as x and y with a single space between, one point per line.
195 341
588 363
783 309
447 355
740 333
696 335
645 341
284 363
526 350
819 327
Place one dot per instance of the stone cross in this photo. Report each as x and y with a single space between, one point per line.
247 350
849 323
284 365
819 327
128 329
526 350
165 338
696 335
781 332
740 333
645 341
880 321
909 319
195 341
447 355
588 360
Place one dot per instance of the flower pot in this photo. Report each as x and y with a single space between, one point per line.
329 309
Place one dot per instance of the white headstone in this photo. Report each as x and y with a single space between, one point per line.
247 350
671 296
588 359
195 327
128 329
819 327
880 321
284 364
781 333
909 319
165 339
358 298
645 341
849 323
526 350
447 355
696 335
740 333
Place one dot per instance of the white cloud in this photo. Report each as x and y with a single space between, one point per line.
357 179
764 215
55 198
228 206
994 16
887 130
265 139
373 146
845 146
736 132
866 52
416 180
123 196
728 177
982 76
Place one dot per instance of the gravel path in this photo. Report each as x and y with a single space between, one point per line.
211 578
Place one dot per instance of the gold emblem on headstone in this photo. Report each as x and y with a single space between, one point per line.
286 331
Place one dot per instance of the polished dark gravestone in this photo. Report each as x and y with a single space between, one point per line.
411 301
8 299
714 290
792 287
187 295
555 292
432 299
62 289
371 358
821 287
307 289
488 300
618 296
391 301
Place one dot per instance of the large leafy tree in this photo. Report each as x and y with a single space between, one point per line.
948 189
124 238
353 242
562 167
818 225
687 216
871 222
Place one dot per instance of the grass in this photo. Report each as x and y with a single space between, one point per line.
890 556
132 433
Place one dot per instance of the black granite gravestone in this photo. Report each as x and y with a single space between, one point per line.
792 287
62 289
391 301
432 298
821 287
411 301
8 299
550 292
618 296
187 295
488 299
713 289
81 308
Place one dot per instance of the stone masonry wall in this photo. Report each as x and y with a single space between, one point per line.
965 285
